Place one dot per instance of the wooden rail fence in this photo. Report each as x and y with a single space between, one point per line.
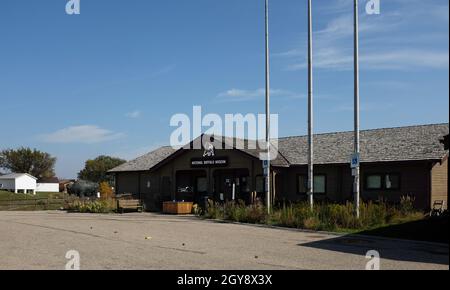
31 204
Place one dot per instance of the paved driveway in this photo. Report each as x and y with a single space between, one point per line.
40 240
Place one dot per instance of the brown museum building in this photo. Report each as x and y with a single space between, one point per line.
394 162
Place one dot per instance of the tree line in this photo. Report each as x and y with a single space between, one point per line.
42 165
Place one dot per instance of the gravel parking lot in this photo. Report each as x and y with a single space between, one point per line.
40 240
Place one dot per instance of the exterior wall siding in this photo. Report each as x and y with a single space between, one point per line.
8 184
439 182
127 182
334 185
47 187
414 182
25 182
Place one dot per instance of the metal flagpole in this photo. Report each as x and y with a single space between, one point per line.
267 166
310 112
356 184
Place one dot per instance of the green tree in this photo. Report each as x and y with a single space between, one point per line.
96 170
25 160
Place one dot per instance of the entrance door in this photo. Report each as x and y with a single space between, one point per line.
227 186
225 180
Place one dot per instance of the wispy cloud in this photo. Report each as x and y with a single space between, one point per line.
240 95
386 39
87 134
330 58
134 114
363 107
163 71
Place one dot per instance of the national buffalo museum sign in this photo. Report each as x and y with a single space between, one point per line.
209 162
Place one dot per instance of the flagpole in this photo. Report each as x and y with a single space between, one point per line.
310 112
268 183
356 184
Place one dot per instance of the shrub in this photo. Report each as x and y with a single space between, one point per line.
255 213
236 211
372 215
325 216
286 216
91 206
213 210
407 204
334 216
106 192
311 223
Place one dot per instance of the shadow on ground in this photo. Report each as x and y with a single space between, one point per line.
431 230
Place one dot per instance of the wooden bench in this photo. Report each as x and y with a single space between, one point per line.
131 204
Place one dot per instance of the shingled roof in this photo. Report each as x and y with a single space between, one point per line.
146 161
379 145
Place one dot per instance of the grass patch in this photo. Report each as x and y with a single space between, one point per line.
53 201
28 202
7 195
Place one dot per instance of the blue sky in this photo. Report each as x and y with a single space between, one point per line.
107 81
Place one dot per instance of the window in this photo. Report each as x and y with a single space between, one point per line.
386 181
320 184
260 184
202 184
392 181
374 182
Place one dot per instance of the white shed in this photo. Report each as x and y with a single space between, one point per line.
18 182
48 185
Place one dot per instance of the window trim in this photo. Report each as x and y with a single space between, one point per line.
383 181
306 177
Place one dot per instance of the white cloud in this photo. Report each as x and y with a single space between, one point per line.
134 114
390 41
87 134
405 59
329 58
365 107
240 95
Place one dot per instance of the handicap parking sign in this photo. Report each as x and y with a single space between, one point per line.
355 159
